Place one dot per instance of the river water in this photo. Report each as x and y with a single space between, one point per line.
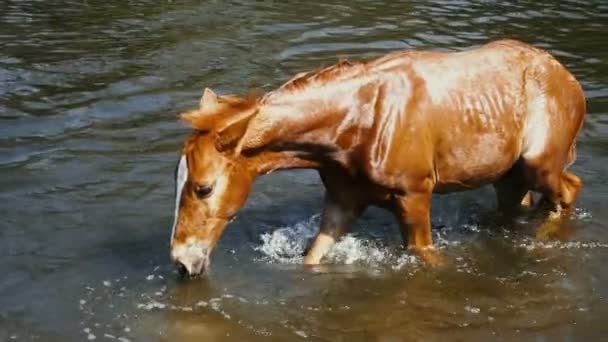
89 93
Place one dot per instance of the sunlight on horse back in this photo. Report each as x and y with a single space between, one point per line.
388 133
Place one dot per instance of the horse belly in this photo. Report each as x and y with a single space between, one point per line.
474 160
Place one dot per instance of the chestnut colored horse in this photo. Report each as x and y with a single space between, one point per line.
388 132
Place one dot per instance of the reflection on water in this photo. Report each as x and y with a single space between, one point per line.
367 290
89 92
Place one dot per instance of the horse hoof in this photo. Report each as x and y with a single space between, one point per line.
430 256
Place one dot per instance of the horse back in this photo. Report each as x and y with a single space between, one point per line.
467 117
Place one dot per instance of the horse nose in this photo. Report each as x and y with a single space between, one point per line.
181 268
191 257
190 269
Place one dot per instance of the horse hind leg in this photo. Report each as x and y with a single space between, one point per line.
513 192
550 147
528 200
561 201
560 190
571 185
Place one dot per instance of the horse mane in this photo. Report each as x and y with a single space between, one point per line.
344 69
209 119
228 106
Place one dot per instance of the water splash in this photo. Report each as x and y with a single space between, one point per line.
350 250
286 245
532 245
581 214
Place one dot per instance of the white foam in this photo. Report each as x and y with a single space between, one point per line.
405 260
151 306
216 305
581 214
350 250
472 309
440 241
286 246
531 245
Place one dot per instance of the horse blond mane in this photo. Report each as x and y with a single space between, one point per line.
228 106
210 119
342 70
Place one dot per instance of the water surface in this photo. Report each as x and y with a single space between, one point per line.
89 93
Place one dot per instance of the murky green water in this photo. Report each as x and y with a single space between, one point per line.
89 92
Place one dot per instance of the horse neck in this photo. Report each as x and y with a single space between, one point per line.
304 130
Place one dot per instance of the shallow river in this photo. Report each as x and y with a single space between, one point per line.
89 93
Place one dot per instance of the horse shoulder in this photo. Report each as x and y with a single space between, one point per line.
398 151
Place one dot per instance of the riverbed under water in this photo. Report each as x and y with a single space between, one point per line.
89 93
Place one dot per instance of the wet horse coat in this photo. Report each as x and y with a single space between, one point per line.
388 132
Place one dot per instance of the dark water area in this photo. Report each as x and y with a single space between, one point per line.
89 93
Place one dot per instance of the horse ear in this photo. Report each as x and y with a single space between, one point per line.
226 117
229 136
199 120
208 99
206 116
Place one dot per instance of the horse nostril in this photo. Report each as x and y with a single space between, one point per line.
181 268
196 269
190 258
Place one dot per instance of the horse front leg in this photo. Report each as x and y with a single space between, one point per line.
413 211
339 212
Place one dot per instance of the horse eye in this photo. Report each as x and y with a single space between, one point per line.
202 191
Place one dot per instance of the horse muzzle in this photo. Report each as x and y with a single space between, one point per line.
191 257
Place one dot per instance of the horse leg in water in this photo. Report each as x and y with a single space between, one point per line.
558 108
546 173
560 190
413 211
343 204
513 191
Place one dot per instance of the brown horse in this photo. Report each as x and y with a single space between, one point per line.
387 132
